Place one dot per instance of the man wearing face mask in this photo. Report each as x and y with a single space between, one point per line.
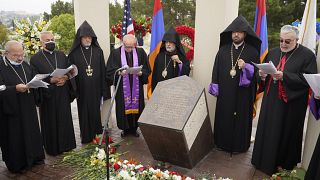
280 127
21 141
87 55
54 106
234 85
171 61
130 95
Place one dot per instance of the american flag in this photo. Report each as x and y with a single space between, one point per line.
127 26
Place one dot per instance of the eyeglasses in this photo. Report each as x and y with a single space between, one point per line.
287 41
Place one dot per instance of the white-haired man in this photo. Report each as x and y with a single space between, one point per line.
130 96
21 141
280 126
55 109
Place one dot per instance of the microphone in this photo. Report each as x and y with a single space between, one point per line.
125 67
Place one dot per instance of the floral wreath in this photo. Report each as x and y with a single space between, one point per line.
187 40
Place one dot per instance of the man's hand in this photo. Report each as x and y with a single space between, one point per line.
241 64
54 80
262 75
278 75
62 80
123 72
176 59
316 97
21 88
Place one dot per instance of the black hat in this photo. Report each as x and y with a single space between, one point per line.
84 30
240 24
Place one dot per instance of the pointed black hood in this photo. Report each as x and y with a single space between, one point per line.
172 36
240 24
84 30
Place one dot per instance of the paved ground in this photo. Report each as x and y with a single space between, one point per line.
216 162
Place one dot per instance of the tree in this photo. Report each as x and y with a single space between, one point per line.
64 25
3 35
61 7
57 8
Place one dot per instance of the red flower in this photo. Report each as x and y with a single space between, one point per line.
116 166
189 32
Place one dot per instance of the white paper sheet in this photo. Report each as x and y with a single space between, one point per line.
313 81
134 70
37 82
267 68
60 72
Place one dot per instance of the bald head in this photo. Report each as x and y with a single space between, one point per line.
129 42
14 51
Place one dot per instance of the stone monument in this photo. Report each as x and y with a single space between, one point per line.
175 122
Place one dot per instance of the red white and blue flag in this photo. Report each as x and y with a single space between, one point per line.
127 26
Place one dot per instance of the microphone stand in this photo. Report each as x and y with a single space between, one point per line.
105 132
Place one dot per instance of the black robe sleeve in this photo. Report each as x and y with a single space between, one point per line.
155 73
215 71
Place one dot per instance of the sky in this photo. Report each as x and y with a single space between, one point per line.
30 6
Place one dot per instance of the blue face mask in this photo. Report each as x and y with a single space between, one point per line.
14 62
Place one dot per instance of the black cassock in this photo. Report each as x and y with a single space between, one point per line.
90 90
313 171
127 122
234 107
280 127
162 61
54 106
21 139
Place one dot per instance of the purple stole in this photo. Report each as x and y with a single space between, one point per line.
131 99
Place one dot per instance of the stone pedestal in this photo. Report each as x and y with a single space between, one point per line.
175 123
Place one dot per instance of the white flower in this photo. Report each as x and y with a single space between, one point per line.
176 177
188 178
101 154
124 174
125 161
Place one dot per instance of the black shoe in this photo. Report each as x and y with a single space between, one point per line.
123 134
136 134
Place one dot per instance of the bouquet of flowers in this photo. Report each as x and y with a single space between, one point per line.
28 33
141 25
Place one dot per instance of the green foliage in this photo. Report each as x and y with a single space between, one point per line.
64 25
295 174
3 35
57 8
279 13
175 12
60 7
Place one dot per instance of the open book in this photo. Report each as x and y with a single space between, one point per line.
134 70
60 72
267 68
37 82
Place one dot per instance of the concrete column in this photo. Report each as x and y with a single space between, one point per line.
313 130
212 17
97 14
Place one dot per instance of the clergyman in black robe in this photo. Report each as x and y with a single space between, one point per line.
280 126
313 171
54 106
234 85
171 61
21 139
91 85
130 94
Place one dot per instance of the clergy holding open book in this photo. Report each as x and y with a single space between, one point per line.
234 85
20 138
280 127
130 95
55 109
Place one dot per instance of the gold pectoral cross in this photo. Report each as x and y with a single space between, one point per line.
89 71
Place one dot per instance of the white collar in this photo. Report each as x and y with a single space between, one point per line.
237 45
